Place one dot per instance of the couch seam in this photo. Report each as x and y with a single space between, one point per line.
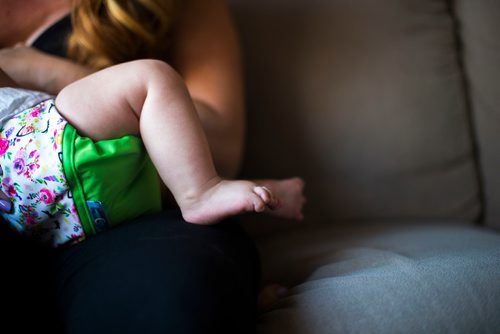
469 109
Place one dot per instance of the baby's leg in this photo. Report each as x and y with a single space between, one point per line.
149 99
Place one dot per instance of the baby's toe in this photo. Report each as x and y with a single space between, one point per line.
267 197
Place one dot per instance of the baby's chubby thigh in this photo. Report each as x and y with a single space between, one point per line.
108 104
97 107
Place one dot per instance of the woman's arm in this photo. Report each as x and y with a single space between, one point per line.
206 53
40 71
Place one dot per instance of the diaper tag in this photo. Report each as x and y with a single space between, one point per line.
98 216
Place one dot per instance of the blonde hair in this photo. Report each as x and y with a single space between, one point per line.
108 32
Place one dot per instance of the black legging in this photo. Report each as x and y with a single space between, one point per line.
156 274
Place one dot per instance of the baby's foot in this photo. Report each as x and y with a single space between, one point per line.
269 295
290 194
227 198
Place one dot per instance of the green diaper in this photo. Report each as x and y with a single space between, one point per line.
111 180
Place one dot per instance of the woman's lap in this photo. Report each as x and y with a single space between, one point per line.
157 274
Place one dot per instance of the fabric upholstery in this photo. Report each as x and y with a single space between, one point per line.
364 99
479 27
396 277
387 109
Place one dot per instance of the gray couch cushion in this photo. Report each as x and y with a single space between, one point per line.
384 278
365 100
479 27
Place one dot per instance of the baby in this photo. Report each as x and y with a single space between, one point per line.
48 144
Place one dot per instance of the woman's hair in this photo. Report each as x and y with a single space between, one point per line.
108 32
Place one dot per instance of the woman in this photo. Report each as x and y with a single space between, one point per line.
156 274
202 47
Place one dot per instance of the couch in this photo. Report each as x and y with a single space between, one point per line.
390 111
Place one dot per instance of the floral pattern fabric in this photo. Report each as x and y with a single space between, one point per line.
33 176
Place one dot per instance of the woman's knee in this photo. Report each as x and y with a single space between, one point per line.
179 275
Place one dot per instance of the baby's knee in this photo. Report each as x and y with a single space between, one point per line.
157 72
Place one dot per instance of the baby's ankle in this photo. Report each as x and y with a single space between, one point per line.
220 199
198 193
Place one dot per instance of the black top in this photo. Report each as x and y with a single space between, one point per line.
54 39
